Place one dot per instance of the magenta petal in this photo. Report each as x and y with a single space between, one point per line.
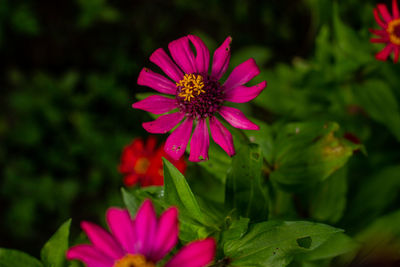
121 227
395 9
382 33
222 136
384 12
90 256
183 55
156 104
396 54
237 119
200 142
383 55
161 59
145 228
378 19
163 123
202 54
102 240
242 74
242 94
195 254
167 234
379 40
156 81
176 143
221 58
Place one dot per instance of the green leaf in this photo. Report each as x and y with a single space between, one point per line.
236 230
336 245
378 100
276 243
245 190
178 192
130 201
264 138
328 199
53 252
13 258
307 153
381 190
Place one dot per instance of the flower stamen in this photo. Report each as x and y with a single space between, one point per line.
190 86
393 30
136 260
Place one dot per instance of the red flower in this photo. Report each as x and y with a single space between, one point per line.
389 33
141 163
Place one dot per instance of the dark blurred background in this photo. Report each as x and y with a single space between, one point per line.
68 79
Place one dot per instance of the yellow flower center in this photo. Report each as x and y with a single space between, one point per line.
190 86
142 165
136 260
393 30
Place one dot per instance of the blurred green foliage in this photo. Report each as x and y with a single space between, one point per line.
68 79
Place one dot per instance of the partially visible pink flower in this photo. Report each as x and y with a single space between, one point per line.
197 96
389 33
140 242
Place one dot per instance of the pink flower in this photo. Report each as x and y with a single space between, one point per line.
196 96
389 33
141 242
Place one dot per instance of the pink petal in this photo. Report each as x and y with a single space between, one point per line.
222 136
237 119
242 74
396 54
395 9
156 104
383 55
156 81
89 255
121 227
183 55
176 143
196 254
384 12
378 19
242 94
145 228
202 54
382 33
200 142
102 240
167 234
379 40
221 58
163 123
161 59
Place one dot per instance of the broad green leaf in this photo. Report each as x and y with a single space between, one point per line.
236 230
336 245
380 242
328 198
245 189
53 252
307 153
264 138
130 201
178 192
276 243
378 100
14 258
375 195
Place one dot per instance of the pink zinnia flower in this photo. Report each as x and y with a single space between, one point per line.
141 242
197 95
390 32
